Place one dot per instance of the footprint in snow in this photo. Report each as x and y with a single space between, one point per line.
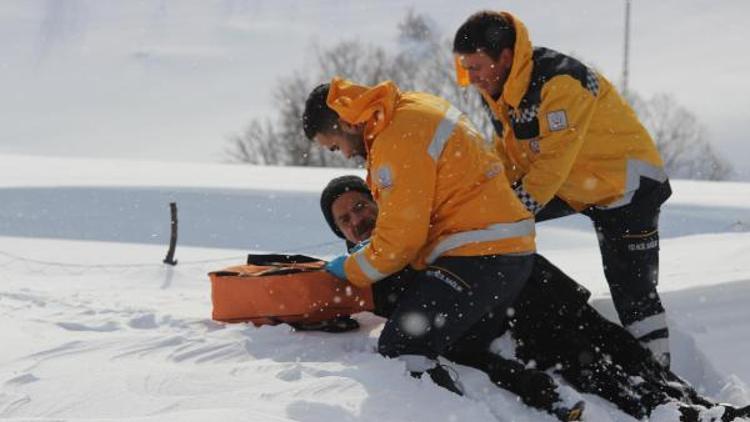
293 373
74 326
22 379
143 322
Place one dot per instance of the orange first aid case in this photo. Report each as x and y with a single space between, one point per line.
273 289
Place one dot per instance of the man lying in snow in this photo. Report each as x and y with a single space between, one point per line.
552 325
351 212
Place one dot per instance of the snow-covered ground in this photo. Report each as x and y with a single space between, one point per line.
94 327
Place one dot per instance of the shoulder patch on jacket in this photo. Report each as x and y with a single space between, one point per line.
384 177
557 120
548 64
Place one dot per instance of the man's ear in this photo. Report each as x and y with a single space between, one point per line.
349 128
506 58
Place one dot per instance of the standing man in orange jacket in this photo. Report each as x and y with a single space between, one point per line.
444 209
570 143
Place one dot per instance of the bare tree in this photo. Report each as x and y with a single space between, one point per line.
424 62
438 77
680 138
416 27
367 64
256 145
284 143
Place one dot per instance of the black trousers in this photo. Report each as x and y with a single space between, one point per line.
556 328
536 388
629 245
453 297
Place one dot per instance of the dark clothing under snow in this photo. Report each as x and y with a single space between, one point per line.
629 243
555 327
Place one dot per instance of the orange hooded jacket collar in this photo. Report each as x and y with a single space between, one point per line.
520 71
356 104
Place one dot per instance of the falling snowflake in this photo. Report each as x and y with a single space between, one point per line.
415 324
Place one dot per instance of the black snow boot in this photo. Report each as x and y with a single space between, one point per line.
690 413
442 377
535 388
732 413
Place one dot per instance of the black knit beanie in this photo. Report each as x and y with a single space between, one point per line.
336 187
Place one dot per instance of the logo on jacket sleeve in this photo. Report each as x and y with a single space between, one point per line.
534 146
384 177
557 120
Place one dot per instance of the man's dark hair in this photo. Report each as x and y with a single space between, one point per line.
487 32
318 117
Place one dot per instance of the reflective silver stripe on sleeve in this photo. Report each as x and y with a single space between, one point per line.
371 272
494 232
647 325
635 170
443 132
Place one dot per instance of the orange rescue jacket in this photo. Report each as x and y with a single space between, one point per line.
562 130
438 185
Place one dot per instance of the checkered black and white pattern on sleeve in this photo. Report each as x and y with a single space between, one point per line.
526 199
592 82
524 114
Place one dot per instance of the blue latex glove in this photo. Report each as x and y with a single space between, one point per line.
336 266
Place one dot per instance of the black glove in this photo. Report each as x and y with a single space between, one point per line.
537 389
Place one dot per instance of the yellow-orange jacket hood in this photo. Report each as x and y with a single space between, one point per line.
357 104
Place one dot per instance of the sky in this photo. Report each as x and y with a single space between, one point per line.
172 80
